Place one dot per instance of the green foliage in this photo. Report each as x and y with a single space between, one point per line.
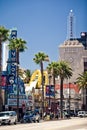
82 80
4 34
40 56
17 44
64 70
60 68
52 68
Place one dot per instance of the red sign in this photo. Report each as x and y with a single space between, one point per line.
3 81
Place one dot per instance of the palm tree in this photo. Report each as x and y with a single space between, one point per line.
52 70
25 75
40 57
82 84
4 33
19 45
28 76
64 72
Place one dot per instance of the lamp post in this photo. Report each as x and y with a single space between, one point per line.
17 95
17 68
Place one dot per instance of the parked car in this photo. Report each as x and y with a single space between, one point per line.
36 117
31 116
82 114
8 117
66 114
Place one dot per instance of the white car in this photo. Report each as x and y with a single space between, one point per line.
82 114
8 117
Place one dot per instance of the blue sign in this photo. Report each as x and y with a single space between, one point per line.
13 34
14 81
12 56
50 90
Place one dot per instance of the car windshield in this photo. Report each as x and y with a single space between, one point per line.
4 114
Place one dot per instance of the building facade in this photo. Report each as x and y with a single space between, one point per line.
74 51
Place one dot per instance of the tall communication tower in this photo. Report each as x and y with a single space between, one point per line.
71 25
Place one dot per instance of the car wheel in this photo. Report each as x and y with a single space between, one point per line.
38 121
0 123
15 122
22 121
34 121
9 123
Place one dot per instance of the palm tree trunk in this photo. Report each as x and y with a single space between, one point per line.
42 89
86 99
54 86
49 89
54 92
0 76
61 98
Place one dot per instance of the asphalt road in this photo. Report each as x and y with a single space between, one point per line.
70 124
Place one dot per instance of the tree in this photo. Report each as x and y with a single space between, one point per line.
4 33
82 84
19 45
40 57
64 71
28 76
25 75
52 70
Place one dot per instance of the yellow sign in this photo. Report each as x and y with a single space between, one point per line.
37 76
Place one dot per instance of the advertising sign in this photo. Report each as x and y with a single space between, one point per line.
3 82
14 81
12 55
12 100
14 34
50 90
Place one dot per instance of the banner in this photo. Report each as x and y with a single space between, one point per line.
50 90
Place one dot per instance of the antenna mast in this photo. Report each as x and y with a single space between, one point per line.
70 25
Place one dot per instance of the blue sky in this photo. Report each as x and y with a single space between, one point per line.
43 24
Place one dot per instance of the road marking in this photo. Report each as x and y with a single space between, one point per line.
81 129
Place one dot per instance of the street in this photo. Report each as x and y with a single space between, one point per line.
72 124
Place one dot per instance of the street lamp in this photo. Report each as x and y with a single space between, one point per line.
17 95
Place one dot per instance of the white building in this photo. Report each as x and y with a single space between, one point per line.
5 55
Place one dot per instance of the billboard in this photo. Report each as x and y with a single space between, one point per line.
50 90
3 81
